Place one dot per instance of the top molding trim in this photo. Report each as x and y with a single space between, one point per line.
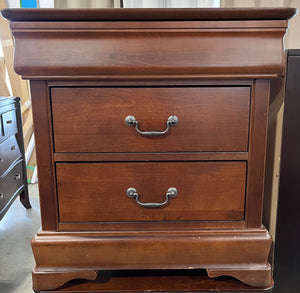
149 14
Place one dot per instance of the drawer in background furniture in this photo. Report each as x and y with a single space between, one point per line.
95 192
93 119
9 124
11 184
9 152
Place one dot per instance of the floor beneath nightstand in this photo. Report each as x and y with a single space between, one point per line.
16 230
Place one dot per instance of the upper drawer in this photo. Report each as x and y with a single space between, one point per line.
9 124
93 119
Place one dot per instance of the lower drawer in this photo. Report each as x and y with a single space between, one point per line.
10 184
102 192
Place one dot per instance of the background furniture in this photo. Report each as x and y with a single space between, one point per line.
13 179
151 135
287 253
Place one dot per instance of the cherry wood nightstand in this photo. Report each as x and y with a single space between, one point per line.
150 132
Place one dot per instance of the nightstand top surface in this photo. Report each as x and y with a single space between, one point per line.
148 14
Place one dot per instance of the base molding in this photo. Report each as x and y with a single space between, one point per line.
257 276
45 280
64 256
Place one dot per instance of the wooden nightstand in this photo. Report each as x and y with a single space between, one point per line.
151 134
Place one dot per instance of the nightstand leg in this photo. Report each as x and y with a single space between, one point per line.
254 275
24 198
49 280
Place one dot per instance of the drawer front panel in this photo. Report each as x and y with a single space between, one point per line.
9 124
10 184
97 192
9 152
93 119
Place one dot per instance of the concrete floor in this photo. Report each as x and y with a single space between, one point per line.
16 230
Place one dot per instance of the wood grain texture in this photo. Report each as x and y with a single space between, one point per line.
260 276
147 54
44 148
231 25
206 191
153 157
94 72
148 48
257 152
97 115
159 225
45 280
136 250
86 251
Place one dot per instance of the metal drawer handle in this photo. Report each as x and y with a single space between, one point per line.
9 121
131 121
131 192
17 177
1 195
13 148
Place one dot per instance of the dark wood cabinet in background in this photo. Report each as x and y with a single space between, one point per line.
13 179
287 245
150 132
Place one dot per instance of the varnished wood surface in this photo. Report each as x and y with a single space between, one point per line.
150 26
156 52
146 157
97 116
147 14
150 82
206 191
64 252
58 278
158 281
151 226
257 152
240 34
239 248
44 147
166 56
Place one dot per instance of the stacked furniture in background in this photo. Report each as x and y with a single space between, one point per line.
287 255
13 179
